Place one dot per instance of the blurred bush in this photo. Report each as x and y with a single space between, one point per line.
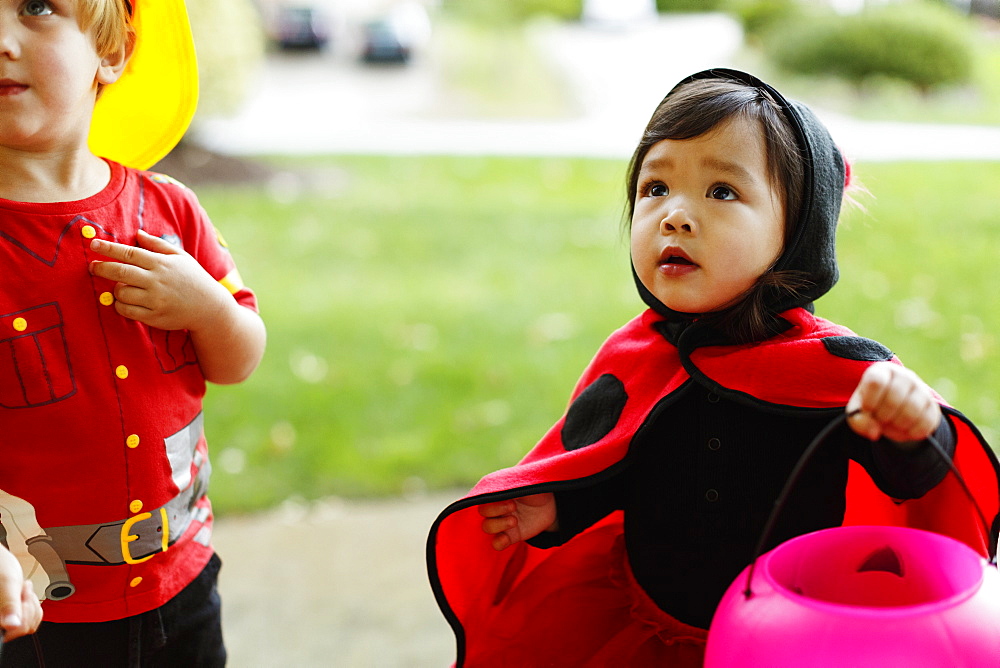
513 11
229 39
924 43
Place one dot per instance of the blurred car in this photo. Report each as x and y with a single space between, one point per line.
384 42
301 28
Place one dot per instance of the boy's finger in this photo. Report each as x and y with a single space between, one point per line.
119 272
130 294
132 311
155 243
31 607
10 618
10 604
140 257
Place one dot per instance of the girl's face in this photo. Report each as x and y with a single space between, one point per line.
707 221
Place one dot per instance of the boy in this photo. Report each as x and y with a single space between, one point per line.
120 301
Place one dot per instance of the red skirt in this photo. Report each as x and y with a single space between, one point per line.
600 617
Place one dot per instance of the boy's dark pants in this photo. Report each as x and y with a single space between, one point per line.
185 631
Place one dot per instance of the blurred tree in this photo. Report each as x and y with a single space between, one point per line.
229 39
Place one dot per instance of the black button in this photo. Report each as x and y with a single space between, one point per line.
713 398
712 496
714 444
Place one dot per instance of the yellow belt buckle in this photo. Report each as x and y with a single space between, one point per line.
130 537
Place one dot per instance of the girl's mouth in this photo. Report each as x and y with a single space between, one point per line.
675 262
675 255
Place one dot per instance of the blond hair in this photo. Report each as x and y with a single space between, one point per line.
110 21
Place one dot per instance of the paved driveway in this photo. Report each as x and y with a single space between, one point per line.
334 583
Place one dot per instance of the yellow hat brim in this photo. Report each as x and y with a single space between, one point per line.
141 117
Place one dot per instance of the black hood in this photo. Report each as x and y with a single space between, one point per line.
811 250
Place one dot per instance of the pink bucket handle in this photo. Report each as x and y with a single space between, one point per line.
807 455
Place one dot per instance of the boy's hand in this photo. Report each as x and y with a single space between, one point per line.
894 403
162 286
20 609
159 284
519 519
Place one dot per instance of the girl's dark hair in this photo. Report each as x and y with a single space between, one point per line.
699 106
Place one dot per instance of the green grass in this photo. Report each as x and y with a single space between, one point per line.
920 274
426 322
428 317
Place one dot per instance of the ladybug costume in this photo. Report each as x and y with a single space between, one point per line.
667 462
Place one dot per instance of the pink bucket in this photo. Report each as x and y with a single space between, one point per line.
861 596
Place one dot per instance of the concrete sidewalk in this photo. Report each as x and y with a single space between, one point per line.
332 583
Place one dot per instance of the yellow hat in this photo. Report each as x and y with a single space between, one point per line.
143 115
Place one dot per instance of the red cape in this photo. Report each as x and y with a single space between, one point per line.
795 369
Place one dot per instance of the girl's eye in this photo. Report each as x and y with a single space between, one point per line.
656 190
721 192
37 8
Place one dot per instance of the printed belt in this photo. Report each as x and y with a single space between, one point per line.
129 541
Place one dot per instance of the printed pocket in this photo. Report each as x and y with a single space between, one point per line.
34 358
174 349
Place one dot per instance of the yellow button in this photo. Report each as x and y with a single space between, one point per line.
20 324
135 506
135 582
107 298
122 372
88 231
132 441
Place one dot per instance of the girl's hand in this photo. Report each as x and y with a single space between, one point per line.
894 403
519 519
160 285
20 609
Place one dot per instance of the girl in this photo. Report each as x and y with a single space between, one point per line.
614 539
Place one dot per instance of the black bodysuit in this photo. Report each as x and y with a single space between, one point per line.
700 481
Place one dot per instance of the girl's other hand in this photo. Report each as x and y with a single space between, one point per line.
520 519
893 403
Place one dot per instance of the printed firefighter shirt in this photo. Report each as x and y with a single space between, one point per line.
104 461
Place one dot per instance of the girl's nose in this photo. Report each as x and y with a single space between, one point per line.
677 220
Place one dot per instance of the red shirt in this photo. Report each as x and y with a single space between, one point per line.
104 462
